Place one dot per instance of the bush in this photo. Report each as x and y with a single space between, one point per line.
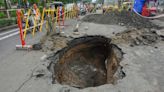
1 3
14 1
7 22
2 15
34 1
13 13
41 9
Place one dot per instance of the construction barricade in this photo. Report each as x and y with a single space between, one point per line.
51 17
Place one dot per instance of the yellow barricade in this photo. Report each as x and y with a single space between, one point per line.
66 14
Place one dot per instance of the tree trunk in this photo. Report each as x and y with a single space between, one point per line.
5 4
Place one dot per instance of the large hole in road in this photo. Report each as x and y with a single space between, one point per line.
86 62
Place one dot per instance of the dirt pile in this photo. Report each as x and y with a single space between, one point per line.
123 18
53 42
135 37
87 62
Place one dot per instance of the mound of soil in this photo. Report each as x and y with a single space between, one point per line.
124 18
53 42
135 37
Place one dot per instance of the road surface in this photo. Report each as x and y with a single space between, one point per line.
15 66
143 65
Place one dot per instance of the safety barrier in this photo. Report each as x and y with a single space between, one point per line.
111 8
50 17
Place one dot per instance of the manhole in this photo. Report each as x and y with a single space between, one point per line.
86 62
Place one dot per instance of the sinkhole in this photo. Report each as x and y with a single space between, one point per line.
87 61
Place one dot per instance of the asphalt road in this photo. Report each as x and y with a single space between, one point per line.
15 66
143 65
10 38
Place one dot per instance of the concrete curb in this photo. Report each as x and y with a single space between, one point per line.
8 27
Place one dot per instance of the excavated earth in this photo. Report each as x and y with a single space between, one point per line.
123 18
135 37
91 61
53 42
87 61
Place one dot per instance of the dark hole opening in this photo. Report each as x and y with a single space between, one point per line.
86 62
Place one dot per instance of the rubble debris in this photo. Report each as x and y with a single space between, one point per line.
87 61
54 42
123 18
37 46
135 37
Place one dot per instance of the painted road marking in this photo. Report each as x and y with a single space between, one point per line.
10 35
4 33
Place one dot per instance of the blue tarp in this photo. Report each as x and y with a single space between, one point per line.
138 4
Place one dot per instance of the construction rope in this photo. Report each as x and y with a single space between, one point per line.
154 17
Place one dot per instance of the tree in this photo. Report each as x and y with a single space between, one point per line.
5 3
34 1
1 3
87 0
66 1
100 1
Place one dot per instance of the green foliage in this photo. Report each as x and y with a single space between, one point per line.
41 9
34 1
2 15
1 3
14 1
13 13
67 1
7 22
87 0
100 1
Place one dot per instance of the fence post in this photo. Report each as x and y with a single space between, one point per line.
8 14
63 15
58 18
66 13
19 21
42 20
25 30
